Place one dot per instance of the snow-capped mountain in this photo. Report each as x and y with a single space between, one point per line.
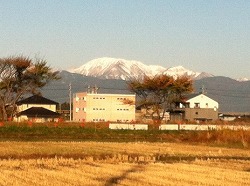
180 71
113 68
243 79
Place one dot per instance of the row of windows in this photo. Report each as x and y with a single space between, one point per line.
123 109
84 109
98 108
84 98
105 98
99 98
197 105
78 98
121 98
98 119
79 109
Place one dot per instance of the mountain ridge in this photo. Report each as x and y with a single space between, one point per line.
116 68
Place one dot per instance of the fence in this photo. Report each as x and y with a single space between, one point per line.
119 126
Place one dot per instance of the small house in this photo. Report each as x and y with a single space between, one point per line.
37 109
196 107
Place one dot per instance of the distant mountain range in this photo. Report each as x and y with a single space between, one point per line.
110 75
232 95
112 68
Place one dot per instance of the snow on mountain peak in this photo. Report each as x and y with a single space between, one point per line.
116 68
181 71
113 68
243 79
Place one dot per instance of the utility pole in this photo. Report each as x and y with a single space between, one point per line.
70 109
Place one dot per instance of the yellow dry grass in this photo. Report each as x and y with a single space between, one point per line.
73 171
92 148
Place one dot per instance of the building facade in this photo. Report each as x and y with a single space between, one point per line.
37 109
197 107
94 107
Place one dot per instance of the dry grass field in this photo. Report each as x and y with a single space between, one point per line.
100 163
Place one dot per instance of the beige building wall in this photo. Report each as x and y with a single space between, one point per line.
23 107
103 107
193 114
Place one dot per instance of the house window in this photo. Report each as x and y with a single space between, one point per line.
187 105
196 105
196 113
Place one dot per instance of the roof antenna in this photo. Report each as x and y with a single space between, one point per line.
203 89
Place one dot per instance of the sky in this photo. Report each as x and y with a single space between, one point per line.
200 35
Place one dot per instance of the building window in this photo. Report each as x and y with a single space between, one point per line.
196 113
196 105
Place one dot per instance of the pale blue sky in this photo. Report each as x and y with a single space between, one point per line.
201 35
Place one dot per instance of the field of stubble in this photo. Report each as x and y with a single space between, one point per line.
102 163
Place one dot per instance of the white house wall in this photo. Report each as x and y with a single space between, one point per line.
204 102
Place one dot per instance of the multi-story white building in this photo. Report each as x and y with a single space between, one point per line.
103 107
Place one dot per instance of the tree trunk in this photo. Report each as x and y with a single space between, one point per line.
4 113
